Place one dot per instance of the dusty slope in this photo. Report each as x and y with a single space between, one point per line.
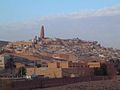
92 85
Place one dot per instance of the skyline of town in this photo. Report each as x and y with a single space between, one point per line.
62 19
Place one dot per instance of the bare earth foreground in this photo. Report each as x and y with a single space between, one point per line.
92 85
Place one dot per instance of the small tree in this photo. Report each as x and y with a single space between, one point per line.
102 71
10 64
22 72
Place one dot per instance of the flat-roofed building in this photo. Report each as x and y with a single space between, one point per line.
93 64
63 64
53 64
66 64
62 69
65 56
19 65
22 43
60 72
3 60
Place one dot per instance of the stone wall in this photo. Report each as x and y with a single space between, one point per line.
23 84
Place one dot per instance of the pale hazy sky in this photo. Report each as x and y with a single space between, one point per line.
87 19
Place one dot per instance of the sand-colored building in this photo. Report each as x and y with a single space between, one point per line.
65 56
3 60
93 64
22 43
66 64
19 65
60 72
62 69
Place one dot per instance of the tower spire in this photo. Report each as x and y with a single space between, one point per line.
42 32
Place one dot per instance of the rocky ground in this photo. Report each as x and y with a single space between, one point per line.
92 85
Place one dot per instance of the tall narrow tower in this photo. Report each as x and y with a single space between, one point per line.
42 32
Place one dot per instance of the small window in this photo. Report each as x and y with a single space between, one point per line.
0 60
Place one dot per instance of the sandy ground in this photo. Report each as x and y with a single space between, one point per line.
92 85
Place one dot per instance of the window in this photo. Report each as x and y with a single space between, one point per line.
0 61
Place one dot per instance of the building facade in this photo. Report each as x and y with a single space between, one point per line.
3 61
60 72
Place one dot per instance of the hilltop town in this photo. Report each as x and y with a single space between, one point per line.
44 57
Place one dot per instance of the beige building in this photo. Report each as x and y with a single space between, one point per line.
66 64
19 65
22 43
3 60
62 69
65 56
60 72
93 64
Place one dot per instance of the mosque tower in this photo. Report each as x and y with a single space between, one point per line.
42 35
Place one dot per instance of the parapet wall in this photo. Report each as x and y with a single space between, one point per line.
44 83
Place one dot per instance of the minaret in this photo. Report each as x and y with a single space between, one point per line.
42 32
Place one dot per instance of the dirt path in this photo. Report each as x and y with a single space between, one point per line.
92 85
